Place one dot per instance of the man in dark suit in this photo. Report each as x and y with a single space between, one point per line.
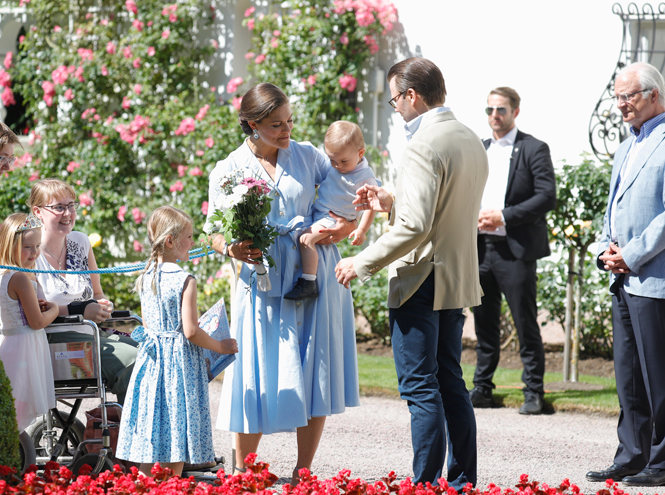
512 229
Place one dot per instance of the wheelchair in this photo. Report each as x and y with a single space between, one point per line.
59 435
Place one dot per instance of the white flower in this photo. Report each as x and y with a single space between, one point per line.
240 190
230 201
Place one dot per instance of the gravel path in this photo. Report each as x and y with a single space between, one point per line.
375 438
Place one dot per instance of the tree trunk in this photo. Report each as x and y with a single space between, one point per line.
569 313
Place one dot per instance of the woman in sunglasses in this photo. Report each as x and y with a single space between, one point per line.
63 248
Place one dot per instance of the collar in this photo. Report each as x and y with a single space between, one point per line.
414 125
507 140
647 127
362 165
169 267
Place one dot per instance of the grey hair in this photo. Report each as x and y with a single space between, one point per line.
648 76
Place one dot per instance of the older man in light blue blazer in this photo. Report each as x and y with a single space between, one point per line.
632 247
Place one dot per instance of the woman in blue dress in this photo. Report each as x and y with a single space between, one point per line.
296 363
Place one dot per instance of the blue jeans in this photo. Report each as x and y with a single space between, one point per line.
427 347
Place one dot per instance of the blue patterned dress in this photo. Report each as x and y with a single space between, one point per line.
296 359
166 417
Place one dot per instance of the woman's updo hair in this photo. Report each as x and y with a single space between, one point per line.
258 103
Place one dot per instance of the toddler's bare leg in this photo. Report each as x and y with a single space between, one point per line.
310 258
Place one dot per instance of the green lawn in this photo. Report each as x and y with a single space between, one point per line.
378 377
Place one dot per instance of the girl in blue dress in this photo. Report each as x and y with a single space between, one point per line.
166 417
296 363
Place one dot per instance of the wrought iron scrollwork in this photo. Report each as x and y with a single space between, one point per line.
643 31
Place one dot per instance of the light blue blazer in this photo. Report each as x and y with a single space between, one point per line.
640 217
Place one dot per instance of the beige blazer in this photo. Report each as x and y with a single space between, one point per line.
434 222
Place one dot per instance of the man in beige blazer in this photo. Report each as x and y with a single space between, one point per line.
431 250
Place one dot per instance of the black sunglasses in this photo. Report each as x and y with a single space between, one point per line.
501 110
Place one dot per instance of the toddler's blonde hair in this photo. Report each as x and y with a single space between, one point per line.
11 241
342 134
165 221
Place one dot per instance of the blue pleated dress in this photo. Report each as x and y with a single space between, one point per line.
296 359
166 417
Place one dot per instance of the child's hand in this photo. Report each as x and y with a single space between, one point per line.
43 305
357 237
229 346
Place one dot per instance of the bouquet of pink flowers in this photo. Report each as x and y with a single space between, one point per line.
244 210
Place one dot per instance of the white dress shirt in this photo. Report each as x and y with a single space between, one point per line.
499 154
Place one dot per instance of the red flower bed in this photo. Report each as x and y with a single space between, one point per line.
58 480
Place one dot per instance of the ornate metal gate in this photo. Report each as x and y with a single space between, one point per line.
643 37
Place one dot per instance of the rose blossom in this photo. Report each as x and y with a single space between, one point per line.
260 59
233 84
166 33
138 25
177 187
250 24
186 126
202 112
8 60
151 51
138 247
196 172
250 55
121 213
105 71
136 63
86 199
5 79
249 11
110 48
236 102
138 215
348 82
126 102
182 169
131 6
69 96
137 89
127 52
209 142
60 75
7 97
49 92
200 152
204 207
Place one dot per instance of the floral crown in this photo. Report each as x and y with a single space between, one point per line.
32 222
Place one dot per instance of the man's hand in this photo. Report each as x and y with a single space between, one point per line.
340 231
373 198
489 220
345 272
614 259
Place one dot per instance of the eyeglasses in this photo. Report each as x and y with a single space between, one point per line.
502 110
393 101
630 97
60 209
7 160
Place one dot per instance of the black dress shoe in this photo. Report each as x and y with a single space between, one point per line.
480 398
304 289
646 477
615 472
533 404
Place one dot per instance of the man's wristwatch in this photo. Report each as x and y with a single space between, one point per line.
225 250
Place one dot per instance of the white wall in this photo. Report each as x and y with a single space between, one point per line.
559 55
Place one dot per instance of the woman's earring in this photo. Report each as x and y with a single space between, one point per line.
256 134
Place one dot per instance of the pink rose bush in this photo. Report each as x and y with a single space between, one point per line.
145 122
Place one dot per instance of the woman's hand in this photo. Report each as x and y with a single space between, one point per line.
373 198
243 251
340 231
96 312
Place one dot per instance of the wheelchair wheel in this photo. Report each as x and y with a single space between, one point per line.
37 429
26 451
91 460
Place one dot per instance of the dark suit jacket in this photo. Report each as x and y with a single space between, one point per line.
530 194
